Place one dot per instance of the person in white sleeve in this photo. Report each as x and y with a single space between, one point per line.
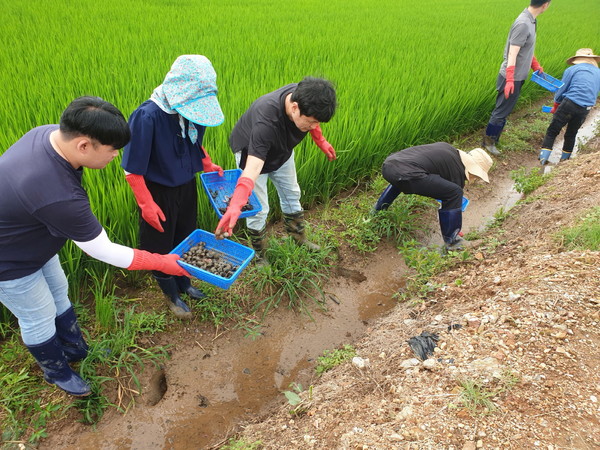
43 204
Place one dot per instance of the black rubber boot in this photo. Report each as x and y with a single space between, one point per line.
53 363
70 337
184 284
491 138
177 306
294 225
450 225
387 197
258 240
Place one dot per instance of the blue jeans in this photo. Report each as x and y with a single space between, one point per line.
285 181
36 300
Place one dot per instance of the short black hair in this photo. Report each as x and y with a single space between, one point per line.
315 98
538 3
97 119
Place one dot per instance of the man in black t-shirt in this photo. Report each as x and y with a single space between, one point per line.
263 142
437 171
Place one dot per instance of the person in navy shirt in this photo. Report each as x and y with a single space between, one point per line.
572 102
42 205
162 159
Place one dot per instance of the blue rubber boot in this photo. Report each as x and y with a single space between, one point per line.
450 225
53 363
177 306
387 197
565 155
184 284
70 337
544 156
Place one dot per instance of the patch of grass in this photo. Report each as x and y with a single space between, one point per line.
499 217
426 263
585 235
294 274
362 228
300 405
241 444
478 399
25 406
333 358
522 135
528 181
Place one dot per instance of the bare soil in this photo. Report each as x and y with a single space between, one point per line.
520 320
529 316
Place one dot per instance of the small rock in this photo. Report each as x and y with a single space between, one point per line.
430 364
469 445
593 398
408 363
359 362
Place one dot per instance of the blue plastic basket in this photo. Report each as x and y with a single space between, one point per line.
546 109
546 81
232 252
465 203
220 189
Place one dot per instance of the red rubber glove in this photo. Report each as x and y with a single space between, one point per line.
553 110
151 212
143 260
326 147
535 65
509 86
243 189
208 165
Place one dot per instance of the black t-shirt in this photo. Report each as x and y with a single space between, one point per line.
417 162
266 132
42 204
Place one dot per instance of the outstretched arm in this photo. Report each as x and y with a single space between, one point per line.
103 249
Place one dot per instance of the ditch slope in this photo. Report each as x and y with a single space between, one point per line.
518 326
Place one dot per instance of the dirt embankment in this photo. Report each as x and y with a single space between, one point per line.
525 343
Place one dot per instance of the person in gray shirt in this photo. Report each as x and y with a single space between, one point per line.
518 58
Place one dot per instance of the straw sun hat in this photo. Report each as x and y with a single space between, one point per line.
584 55
477 162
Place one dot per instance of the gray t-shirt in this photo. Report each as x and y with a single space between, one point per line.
522 34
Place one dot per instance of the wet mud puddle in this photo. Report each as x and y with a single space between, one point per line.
211 388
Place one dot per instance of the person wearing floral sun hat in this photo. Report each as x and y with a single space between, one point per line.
163 157
572 102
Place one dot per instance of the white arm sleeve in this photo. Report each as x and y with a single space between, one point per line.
101 248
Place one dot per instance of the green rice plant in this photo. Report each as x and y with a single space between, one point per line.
585 234
294 274
104 301
387 101
333 358
527 181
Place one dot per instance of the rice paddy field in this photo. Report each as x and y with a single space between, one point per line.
406 73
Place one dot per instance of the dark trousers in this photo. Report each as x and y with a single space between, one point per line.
570 114
432 186
180 206
504 106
